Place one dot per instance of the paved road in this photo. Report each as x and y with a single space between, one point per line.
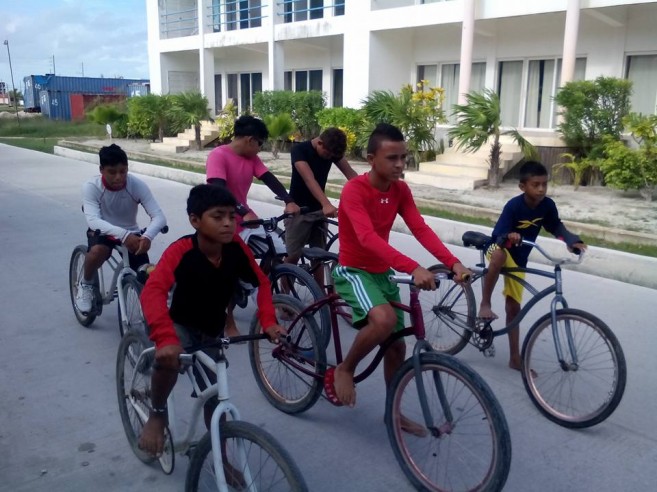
59 424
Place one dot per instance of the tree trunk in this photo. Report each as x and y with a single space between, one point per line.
197 134
494 170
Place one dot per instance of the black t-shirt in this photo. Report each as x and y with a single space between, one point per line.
304 151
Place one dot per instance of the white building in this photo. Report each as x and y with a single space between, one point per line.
523 49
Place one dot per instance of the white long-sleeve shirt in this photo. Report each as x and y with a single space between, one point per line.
114 213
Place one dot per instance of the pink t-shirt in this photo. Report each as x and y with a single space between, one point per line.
236 170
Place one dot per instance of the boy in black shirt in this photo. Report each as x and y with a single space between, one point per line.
311 163
522 218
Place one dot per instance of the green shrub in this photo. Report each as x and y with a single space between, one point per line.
280 127
633 168
302 106
149 117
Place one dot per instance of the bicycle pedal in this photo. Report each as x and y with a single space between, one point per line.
489 352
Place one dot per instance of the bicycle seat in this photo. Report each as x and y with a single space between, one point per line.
475 239
319 254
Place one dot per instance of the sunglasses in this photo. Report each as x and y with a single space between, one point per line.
258 141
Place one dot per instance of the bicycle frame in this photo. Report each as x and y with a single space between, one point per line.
120 267
203 363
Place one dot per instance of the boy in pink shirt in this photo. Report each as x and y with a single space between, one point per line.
234 166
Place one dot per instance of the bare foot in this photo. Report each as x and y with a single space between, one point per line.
485 312
152 436
516 364
413 428
344 386
234 478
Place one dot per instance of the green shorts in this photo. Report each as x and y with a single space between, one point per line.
363 290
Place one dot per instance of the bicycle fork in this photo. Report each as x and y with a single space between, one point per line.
565 366
446 428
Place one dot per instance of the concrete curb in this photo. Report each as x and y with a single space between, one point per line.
607 263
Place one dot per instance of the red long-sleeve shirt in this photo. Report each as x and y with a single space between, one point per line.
366 216
202 291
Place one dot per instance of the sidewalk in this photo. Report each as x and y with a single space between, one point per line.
602 212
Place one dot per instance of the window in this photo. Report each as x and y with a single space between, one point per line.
242 14
509 88
218 93
242 87
339 7
301 10
182 82
304 80
429 73
450 80
642 71
543 77
337 87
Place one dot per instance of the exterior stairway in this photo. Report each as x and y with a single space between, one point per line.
186 139
458 170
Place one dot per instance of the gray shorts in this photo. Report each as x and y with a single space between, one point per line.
190 338
305 229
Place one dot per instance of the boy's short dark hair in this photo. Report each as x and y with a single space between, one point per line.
335 141
250 126
112 155
383 131
204 196
531 169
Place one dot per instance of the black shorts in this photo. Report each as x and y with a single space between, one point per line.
189 338
111 242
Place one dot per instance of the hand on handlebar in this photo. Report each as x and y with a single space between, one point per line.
274 333
577 248
144 245
461 273
423 279
167 357
329 210
250 215
292 208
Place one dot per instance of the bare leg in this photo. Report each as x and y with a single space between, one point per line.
381 322
152 436
512 310
94 259
494 267
231 328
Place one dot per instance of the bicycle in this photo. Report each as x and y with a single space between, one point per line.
285 278
573 366
467 444
252 456
125 285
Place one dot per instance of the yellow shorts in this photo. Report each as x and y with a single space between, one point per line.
512 288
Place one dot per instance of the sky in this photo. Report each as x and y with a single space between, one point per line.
86 37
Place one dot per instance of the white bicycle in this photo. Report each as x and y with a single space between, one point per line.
233 454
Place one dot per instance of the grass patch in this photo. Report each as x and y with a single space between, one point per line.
42 144
45 128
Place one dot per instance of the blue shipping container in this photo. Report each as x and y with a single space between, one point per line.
55 105
74 85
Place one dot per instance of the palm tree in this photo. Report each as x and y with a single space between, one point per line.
191 108
478 120
149 115
280 127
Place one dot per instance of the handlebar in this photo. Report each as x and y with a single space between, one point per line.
187 359
503 241
409 279
270 224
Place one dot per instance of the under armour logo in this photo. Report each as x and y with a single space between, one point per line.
384 200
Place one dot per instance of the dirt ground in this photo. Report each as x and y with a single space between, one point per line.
589 204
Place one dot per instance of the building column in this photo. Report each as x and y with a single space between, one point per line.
155 72
275 53
205 57
356 54
467 41
570 42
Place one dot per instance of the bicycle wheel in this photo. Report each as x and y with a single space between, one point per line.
253 460
333 243
132 290
134 396
277 368
298 283
470 451
74 276
449 314
580 394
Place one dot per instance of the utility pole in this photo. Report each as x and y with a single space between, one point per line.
83 69
11 71
53 65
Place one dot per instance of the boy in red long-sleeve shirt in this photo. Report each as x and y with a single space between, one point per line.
368 207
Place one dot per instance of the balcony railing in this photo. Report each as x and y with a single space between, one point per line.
301 10
231 15
179 23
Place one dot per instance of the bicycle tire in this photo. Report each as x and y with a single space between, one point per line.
284 386
131 292
471 453
74 276
132 344
298 283
333 244
576 398
449 313
270 465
